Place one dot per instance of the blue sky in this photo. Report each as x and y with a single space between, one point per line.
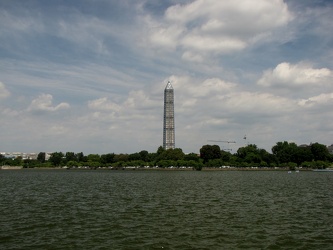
89 75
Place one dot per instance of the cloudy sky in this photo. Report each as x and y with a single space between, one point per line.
89 75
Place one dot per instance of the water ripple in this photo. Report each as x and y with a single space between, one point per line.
165 210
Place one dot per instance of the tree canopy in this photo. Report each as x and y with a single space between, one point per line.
210 152
284 154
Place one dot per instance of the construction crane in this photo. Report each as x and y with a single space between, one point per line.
227 149
222 141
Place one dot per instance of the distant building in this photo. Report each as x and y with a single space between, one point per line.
24 156
169 118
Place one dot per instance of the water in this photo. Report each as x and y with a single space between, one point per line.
61 209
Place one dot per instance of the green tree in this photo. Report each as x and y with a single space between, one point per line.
81 158
107 158
252 157
166 163
268 160
152 157
160 150
191 157
320 152
56 158
70 156
72 164
121 157
225 156
210 152
214 163
172 154
29 163
181 163
134 157
249 154
94 158
17 161
41 157
285 152
303 154
144 155
198 166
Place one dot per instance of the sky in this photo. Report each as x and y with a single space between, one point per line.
89 75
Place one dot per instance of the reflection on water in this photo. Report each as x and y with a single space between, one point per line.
45 209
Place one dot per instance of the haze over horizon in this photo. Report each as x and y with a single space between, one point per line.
89 76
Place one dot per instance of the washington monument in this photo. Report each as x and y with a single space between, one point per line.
169 118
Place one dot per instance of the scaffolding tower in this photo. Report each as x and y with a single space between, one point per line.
169 118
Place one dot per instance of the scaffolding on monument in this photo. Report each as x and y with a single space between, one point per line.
169 118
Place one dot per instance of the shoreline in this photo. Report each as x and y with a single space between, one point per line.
155 169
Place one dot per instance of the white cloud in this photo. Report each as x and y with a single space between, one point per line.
3 91
44 103
192 87
258 103
192 57
295 75
266 12
140 100
166 36
319 100
223 44
8 112
216 27
136 100
212 97
135 113
103 104
212 86
58 129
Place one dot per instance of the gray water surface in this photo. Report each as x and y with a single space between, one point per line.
61 209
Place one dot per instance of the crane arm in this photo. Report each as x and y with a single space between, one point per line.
222 141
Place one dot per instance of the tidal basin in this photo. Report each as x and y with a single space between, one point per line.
96 209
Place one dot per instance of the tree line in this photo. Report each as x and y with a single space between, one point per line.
284 154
